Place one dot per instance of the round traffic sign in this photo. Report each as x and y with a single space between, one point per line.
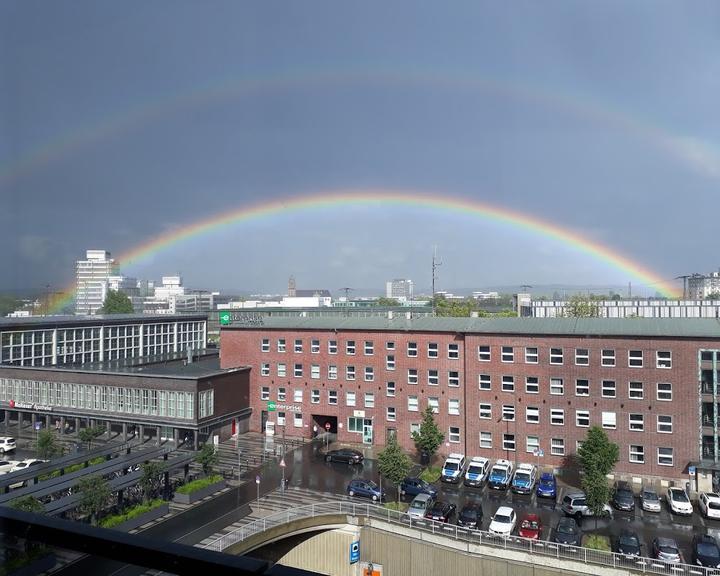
257 479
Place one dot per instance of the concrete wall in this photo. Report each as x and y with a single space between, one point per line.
326 553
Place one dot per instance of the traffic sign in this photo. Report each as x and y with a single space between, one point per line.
271 406
257 479
225 318
38 425
691 470
282 463
355 552
328 426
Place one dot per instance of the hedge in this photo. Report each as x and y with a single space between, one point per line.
195 485
133 512
431 474
73 468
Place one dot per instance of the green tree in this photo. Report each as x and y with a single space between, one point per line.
8 304
597 493
429 438
152 475
94 496
597 457
713 296
28 504
47 444
207 458
387 302
394 464
581 307
116 302
89 434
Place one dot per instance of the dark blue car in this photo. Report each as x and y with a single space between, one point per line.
412 486
366 489
547 487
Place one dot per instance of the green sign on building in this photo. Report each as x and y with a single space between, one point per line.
271 406
225 318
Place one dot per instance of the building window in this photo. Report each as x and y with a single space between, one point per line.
265 393
298 371
412 404
349 398
265 369
484 382
369 348
350 347
414 428
608 388
432 350
635 390
281 345
390 389
582 388
390 346
432 378
297 420
281 394
281 370
508 384
609 420
582 418
665 456
355 424
557 417
556 387
453 351
556 355
349 372
390 414
635 358
532 444
485 439
578 445
412 376
453 378
531 355
485 411
298 346
315 396
507 355
582 356
332 372
315 371
412 349
508 413
664 359
532 385
369 374
532 414
390 362
608 358
434 403
454 434
484 353
454 407
509 442
281 418
265 346
636 422
297 395
315 346
664 424
557 446
664 391
332 397
637 454
332 346
369 400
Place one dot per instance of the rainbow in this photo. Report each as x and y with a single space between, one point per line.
384 198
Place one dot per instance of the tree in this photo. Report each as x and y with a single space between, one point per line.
598 456
581 307
394 464
116 302
207 458
429 438
152 474
597 493
28 504
90 434
387 302
94 496
713 296
47 444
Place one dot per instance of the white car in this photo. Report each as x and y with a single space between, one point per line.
679 502
709 504
7 465
25 464
453 468
7 444
503 521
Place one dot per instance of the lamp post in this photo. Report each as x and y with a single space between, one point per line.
282 467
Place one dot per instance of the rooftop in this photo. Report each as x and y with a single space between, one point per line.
70 320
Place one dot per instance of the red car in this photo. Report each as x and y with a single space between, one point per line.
530 527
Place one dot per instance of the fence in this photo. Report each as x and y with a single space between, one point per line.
468 536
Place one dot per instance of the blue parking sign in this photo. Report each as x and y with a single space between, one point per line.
355 552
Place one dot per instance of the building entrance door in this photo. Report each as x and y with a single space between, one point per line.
367 431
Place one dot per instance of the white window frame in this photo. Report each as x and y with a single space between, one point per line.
532 443
369 400
433 350
265 393
582 389
390 362
557 446
390 414
663 359
636 422
390 389
557 387
434 403
665 456
609 420
412 376
265 345
332 397
298 395
453 381
315 371
484 382
390 346
350 373
609 389
281 345
332 372
453 351
582 357
282 369
485 440
412 349
297 370
507 383
369 374
509 442
582 416
412 403
433 377
350 398
635 361
557 356
507 354
281 394
532 414
332 347
636 456
453 406
531 355
484 353
485 411
350 348
607 358
557 417
298 346
265 369
369 347
666 394
315 396
664 427
315 346
633 389
532 385
454 434
508 413
297 420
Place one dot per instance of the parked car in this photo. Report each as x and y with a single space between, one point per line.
421 505
547 486
567 531
477 471
623 497
709 504
471 516
666 549
705 551
366 489
650 500
500 475
503 521
346 455
412 486
25 464
524 479
575 504
453 468
679 502
530 527
7 465
7 444
628 543
441 511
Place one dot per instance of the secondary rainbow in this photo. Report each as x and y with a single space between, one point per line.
379 197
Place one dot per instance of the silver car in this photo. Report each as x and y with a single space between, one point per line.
650 500
420 505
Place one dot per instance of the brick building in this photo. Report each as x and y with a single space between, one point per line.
501 387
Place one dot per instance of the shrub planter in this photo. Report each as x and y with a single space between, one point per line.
36 566
198 494
148 516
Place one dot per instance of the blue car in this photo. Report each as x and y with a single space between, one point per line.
366 489
547 487
412 486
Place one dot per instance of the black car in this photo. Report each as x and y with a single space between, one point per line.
441 511
705 551
623 497
347 455
471 516
568 532
412 486
628 543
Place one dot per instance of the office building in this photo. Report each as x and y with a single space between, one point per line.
92 280
399 289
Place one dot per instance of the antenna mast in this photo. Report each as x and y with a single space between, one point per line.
435 265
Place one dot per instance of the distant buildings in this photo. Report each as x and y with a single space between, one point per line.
700 286
93 280
529 308
399 289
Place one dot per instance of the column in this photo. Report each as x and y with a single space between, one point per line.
107 428
62 424
158 435
176 436
47 421
142 433
19 421
124 432
77 426
33 419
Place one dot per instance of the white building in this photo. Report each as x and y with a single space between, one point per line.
92 280
399 289
700 286
623 308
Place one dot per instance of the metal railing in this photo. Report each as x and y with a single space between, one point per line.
461 534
